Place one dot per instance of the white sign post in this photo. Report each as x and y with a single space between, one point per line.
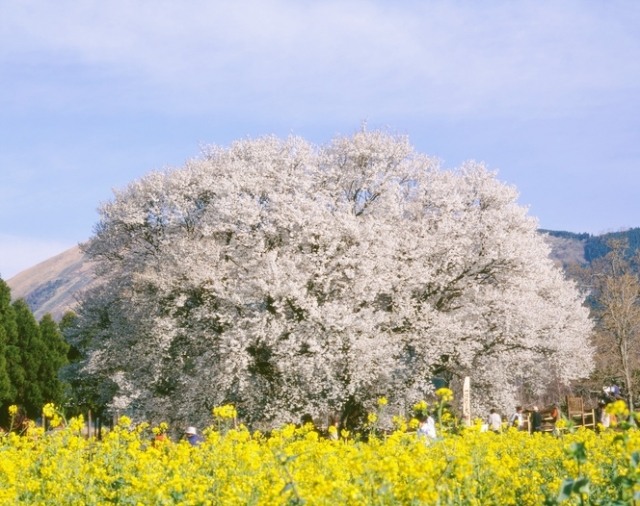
466 401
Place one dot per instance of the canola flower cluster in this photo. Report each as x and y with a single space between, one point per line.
295 465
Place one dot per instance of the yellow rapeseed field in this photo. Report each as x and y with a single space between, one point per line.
297 466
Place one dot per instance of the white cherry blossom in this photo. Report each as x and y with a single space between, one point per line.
288 279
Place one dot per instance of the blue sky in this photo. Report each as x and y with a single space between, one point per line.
95 94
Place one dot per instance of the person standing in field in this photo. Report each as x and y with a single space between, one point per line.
495 421
426 427
516 419
191 435
332 429
536 420
602 417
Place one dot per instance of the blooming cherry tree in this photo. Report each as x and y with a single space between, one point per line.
287 278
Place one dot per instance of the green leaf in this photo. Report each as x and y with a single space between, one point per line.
565 490
623 482
623 438
287 487
581 486
578 451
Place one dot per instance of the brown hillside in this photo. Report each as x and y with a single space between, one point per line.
51 286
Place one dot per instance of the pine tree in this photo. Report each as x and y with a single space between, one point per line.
9 355
33 355
56 356
69 322
5 384
30 356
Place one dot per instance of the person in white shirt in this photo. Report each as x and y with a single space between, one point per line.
517 419
495 421
427 427
605 418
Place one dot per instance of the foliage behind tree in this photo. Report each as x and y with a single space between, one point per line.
86 391
614 284
600 245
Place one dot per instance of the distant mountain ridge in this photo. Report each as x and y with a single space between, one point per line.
595 246
52 286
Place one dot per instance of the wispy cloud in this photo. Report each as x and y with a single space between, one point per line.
419 57
95 93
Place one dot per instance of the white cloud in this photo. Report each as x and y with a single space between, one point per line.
20 253
335 56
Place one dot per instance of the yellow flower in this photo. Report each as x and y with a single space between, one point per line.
382 401
400 423
445 394
618 408
13 410
372 417
420 406
49 410
162 428
228 411
292 465
76 424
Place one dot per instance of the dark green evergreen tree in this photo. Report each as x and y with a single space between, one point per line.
85 389
15 376
9 355
55 357
5 384
33 354
67 324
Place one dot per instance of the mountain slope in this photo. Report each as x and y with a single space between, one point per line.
51 286
593 246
